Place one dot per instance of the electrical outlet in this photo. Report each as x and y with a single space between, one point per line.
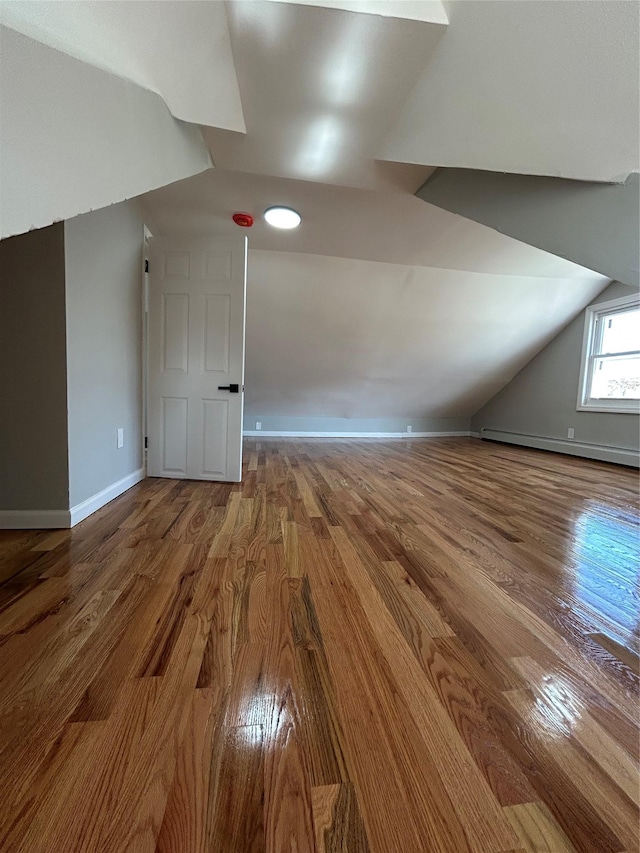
571 432
258 424
120 437
409 428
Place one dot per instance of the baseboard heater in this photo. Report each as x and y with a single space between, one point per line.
604 453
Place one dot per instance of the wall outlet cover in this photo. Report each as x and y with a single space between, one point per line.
258 424
571 432
409 428
120 437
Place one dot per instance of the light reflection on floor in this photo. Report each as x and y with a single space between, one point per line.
606 563
558 708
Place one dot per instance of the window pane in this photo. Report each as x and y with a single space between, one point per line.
621 331
616 378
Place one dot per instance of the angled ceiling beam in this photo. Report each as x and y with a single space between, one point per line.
429 11
181 51
75 138
594 225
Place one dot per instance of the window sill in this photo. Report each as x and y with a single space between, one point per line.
614 410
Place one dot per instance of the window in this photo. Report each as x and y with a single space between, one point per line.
610 370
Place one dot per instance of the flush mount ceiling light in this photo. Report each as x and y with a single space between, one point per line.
282 217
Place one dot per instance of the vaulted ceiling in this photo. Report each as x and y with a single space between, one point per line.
362 93
342 109
378 305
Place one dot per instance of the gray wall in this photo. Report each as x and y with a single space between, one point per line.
296 424
541 399
33 376
103 255
594 225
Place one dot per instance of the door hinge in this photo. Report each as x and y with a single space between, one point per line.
146 265
146 442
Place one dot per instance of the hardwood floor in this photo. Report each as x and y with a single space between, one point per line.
365 646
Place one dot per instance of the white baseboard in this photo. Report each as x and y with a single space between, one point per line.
251 433
45 519
601 452
82 510
34 519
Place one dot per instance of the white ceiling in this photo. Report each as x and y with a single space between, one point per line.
432 11
73 138
346 222
333 95
379 303
532 87
179 50
320 88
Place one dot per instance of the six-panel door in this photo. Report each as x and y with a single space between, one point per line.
196 344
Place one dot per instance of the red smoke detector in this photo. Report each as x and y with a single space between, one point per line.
245 220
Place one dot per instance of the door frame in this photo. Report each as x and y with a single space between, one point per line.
146 237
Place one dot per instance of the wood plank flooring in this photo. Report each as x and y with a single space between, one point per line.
365 647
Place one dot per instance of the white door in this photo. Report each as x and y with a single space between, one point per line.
196 358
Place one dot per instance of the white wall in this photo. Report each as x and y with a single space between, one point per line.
103 260
354 426
75 138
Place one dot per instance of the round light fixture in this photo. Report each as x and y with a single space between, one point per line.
282 217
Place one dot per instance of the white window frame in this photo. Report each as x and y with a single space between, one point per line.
592 315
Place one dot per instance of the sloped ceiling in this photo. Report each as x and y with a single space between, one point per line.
431 11
334 337
378 301
319 90
533 87
349 223
375 98
378 305
74 138
538 88
179 50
